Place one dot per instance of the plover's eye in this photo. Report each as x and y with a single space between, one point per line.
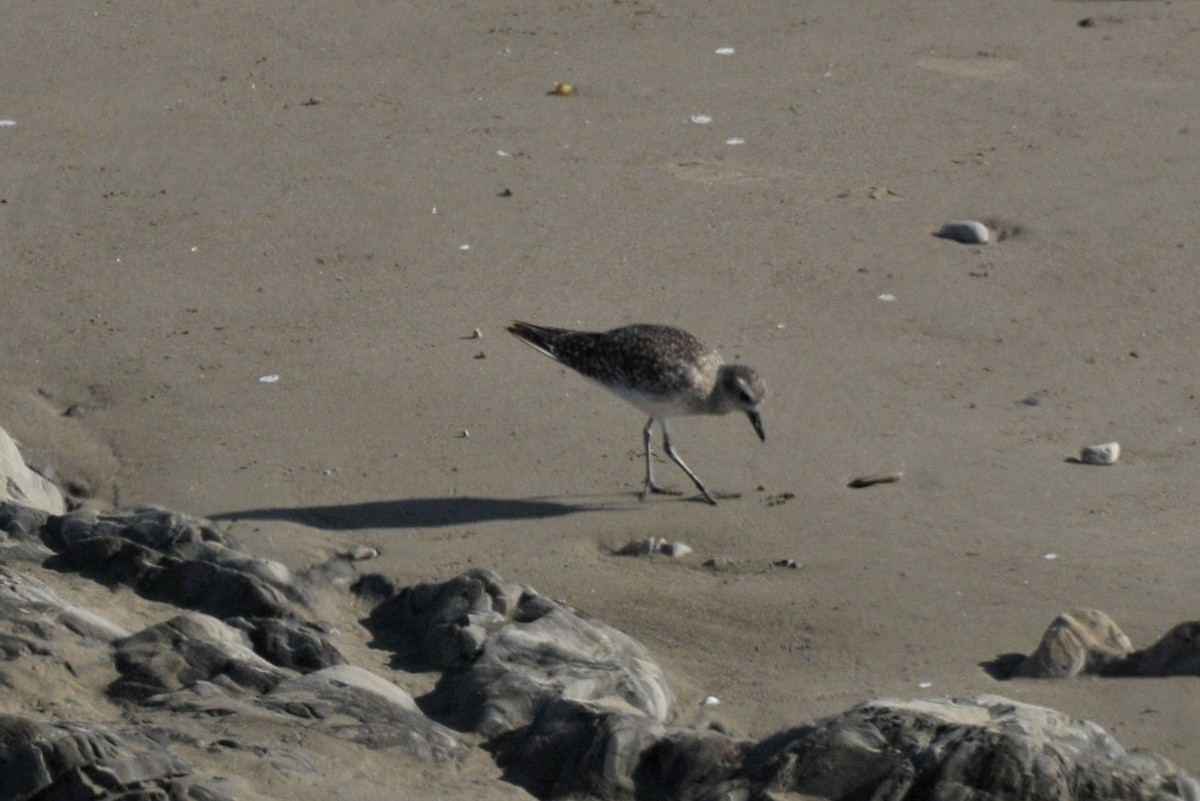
743 392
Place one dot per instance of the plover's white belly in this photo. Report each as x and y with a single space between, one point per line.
657 406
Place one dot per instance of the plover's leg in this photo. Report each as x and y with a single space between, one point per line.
670 449
651 486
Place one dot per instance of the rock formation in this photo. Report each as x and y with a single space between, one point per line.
224 682
1088 642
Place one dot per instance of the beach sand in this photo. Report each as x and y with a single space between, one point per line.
197 197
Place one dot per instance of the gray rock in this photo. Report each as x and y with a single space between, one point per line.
20 533
1103 454
21 484
355 704
186 649
1088 642
982 749
31 607
46 641
92 761
297 645
582 750
505 651
1082 641
1176 654
155 528
175 559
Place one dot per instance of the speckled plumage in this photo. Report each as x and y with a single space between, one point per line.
663 371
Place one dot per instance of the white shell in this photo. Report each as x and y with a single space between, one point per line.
675 549
969 232
1108 453
655 545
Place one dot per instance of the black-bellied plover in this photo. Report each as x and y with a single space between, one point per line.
663 371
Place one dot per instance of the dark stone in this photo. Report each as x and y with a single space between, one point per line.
575 749
1079 642
85 762
505 651
32 610
984 749
185 650
300 646
175 559
20 533
354 704
1176 654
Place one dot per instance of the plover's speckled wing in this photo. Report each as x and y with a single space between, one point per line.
659 369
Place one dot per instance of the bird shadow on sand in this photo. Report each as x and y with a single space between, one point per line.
415 512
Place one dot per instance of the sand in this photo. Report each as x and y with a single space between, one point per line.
195 197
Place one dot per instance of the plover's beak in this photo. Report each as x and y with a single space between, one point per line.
756 421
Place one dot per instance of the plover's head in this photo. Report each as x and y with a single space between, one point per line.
740 388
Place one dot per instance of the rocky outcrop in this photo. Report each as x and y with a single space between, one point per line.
505 651
228 664
355 704
1088 642
171 558
574 749
22 484
986 748
981 748
1082 641
1177 653
20 528
93 761
188 649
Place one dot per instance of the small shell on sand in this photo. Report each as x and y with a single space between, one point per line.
1108 453
655 545
563 89
969 232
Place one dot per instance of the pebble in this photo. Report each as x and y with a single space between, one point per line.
360 553
876 478
1107 453
969 232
